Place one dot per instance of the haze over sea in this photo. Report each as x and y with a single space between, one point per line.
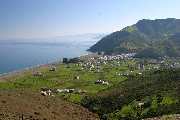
17 55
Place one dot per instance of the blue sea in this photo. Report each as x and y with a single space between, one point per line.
17 55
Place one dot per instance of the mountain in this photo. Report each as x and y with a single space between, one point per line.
148 38
77 38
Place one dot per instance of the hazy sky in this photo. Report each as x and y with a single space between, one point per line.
45 18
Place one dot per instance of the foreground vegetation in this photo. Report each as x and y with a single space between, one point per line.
157 89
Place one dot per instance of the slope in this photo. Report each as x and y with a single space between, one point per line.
21 104
144 35
158 90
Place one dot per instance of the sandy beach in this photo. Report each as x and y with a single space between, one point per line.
20 73
7 77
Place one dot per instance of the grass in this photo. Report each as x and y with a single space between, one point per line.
63 78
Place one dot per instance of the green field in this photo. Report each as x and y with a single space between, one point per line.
63 78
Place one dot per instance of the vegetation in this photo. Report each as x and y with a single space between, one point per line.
143 87
158 90
160 36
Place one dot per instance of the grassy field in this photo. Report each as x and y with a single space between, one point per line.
63 78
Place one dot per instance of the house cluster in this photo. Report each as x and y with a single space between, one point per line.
70 91
46 91
168 64
64 90
73 60
117 74
91 64
123 56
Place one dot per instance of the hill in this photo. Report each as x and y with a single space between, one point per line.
157 92
148 38
21 104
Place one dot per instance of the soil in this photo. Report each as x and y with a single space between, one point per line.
31 105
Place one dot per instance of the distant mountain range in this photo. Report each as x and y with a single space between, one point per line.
99 36
79 37
148 38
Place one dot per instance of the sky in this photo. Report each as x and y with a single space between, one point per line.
32 19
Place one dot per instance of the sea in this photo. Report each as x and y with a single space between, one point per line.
21 54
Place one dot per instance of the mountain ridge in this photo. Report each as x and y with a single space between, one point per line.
144 35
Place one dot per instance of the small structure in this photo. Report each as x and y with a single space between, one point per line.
139 66
66 90
91 66
126 75
96 71
140 105
128 71
65 60
38 74
177 65
148 68
98 82
71 90
68 66
59 90
53 69
117 64
74 60
83 65
80 69
117 74
98 63
80 91
99 67
76 77
45 91
79 63
105 83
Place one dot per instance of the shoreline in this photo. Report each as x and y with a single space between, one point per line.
7 76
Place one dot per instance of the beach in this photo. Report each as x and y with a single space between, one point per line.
21 73
7 77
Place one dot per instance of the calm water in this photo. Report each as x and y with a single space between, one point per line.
19 54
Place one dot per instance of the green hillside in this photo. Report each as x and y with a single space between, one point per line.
158 90
145 35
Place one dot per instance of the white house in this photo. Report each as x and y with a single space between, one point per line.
96 71
38 74
80 69
105 83
66 90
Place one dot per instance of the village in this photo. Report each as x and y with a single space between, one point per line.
91 75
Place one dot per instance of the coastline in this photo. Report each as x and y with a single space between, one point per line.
20 73
7 77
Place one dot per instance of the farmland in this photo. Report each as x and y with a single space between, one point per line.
63 77
111 88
